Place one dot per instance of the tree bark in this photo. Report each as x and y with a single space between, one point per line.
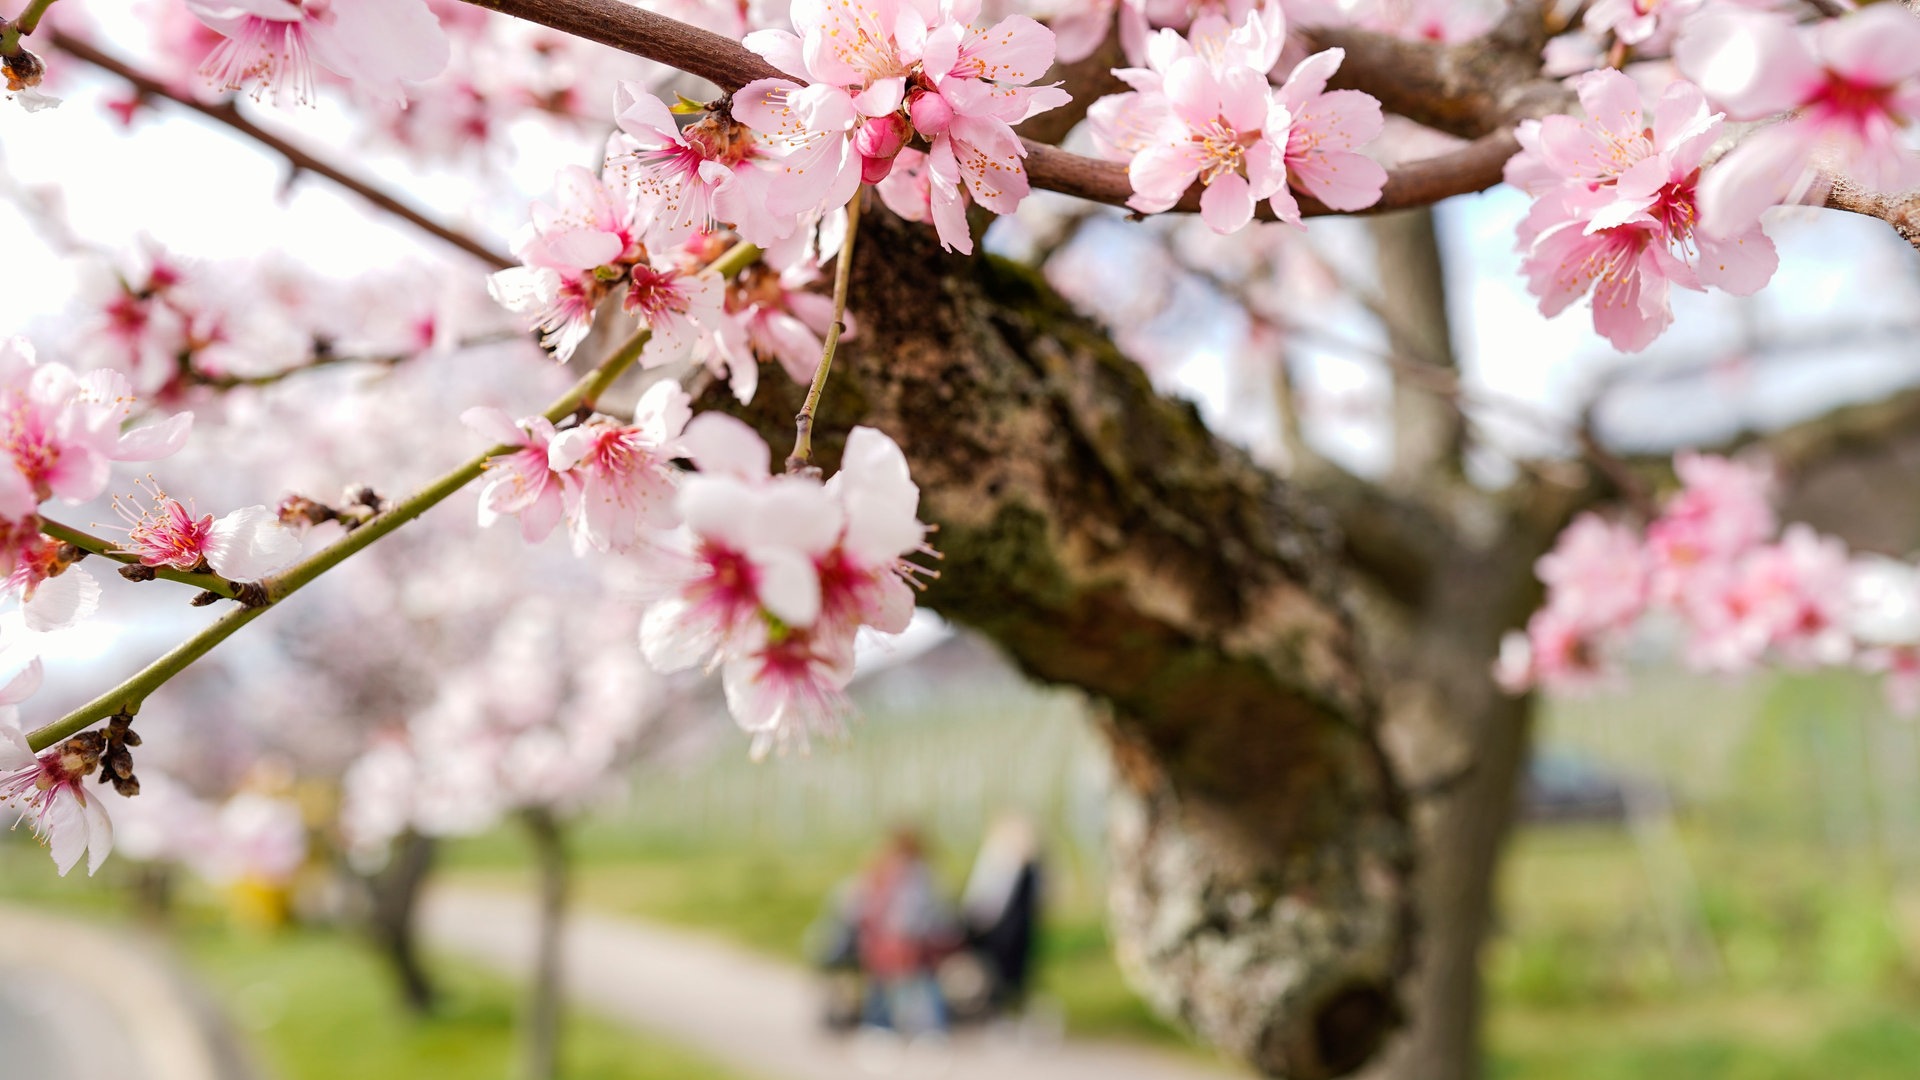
394 894
540 1023
1458 740
1108 541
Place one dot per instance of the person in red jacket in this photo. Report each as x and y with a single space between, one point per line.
903 929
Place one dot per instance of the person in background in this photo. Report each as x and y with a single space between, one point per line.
903 928
1001 908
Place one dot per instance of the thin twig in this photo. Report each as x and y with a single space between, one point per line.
106 549
126 698
226 112
802 457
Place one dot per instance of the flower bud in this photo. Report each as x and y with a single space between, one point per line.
877 142
931 113
23 70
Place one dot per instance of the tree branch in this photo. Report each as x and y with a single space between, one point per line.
94 545
729 65
225 112
127 697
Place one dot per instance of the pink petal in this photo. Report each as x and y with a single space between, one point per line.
1309 78
1342 180
1875 46
779 48
1014 50
1740 264
1752 65
1227 203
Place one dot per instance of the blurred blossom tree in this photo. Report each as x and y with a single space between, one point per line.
1293 662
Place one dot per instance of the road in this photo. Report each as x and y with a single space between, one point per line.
756 1015
82 1002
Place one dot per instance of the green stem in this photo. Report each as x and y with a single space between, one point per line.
86 541
802 456
129 695
27 23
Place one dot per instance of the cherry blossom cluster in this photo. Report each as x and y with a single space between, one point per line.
252 835
540 719
62 432
1616 212
635 233
1741 592
1203 110
767 577
1632 201
271 47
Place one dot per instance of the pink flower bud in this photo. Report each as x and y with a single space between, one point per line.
878 140
931 113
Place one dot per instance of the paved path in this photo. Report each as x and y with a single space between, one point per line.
82 1002
757 1015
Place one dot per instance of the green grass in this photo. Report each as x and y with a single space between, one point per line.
319 1007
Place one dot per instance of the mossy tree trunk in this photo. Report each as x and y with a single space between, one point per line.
1107 540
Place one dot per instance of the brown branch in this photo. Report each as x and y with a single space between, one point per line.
225 112
1469 89
729 65
1900 210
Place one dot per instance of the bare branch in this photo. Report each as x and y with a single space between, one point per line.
1900 210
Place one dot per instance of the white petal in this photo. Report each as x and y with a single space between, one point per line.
249 544
718 443
65 831
155 441
60 602
99 832
789 585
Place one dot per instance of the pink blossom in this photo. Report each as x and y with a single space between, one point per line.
619 478
1555 652
1327 126
1596 574
1615 210
570 253
678 306
65 431
784 321
749 551
1724 509
49 789
711 172
1208 117
973 87
522 482
863 62
1633 22
788 684
245 545
909 191
864 579
1852 85
272 45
